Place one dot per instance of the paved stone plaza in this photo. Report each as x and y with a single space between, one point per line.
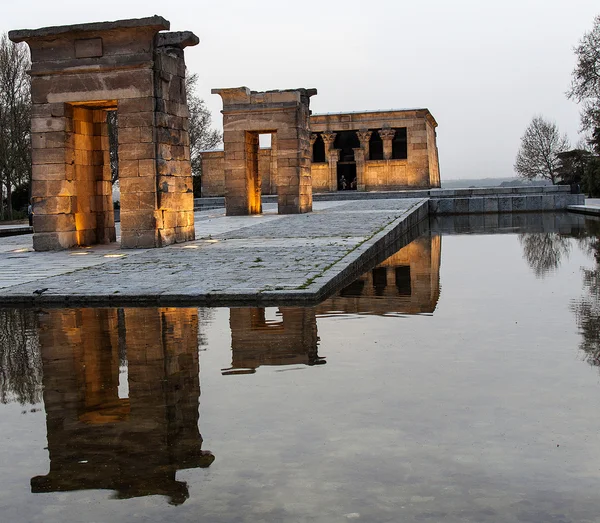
257 258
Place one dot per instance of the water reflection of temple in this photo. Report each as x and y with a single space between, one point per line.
408 282
121 389
289 339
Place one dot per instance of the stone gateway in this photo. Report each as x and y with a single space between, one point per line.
79 73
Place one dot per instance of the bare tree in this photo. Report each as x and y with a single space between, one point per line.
540 146
202 136
15 113
585 85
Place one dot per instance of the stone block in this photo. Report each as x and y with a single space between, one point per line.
518 204
140 239
560 200
136 105
55 171
53 205
138 184
461 205
138 119
137 220
476 204
53 222
533 202
446 206
490 204
136 151
54 241
547 202
505 204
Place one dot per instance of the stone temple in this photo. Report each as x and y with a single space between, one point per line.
78 74
362 151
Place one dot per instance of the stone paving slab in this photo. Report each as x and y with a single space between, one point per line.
269 258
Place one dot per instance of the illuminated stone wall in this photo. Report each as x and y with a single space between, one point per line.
121 389
78 73
282 114
418 170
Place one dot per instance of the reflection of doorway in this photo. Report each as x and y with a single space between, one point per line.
346 142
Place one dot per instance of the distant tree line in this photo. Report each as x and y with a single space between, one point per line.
15 130
545 153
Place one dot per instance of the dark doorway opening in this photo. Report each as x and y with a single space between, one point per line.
319 150
399 145
403 280
375 146
379 280
346 175
346 142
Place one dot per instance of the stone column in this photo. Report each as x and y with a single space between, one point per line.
387 135
313 139
359 158
364 137
332 156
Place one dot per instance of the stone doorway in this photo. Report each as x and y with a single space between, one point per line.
346 142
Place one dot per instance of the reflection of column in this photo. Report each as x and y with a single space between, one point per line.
387 135
104 435
255 341
359 158
364 137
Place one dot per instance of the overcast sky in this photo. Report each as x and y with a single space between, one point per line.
483 69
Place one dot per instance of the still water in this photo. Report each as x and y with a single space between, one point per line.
457 381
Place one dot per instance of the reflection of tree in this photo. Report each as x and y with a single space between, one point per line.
544 251
20 361
587 314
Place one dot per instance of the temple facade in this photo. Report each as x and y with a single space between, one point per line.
363 151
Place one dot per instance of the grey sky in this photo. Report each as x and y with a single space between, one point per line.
482 69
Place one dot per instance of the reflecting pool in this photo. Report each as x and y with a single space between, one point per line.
458 380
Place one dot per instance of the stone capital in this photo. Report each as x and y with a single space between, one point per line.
328 138
364 136
387 134
313 138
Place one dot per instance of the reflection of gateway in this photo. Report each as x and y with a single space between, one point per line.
122 406
408 282
256 341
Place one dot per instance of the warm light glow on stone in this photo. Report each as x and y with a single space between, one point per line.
114 255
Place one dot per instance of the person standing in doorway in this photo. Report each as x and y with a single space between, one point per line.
30 213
